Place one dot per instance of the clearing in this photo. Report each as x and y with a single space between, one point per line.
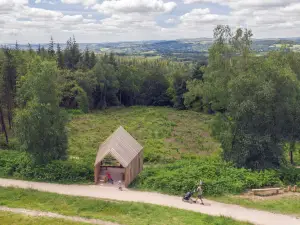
165 133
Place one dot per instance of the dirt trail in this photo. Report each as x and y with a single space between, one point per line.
210 208
55 215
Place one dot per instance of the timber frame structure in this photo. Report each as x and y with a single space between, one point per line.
126 150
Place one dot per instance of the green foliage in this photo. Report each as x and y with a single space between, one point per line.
20 165
290 175
218 177
40 123
114 211
163 132
247 91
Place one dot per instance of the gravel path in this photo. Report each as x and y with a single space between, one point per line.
210 207
55 215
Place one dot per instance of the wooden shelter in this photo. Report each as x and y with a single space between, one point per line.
126 150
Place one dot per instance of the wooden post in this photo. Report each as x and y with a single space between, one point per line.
96 173
295 188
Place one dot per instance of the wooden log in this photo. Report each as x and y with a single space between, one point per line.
295 188
266 189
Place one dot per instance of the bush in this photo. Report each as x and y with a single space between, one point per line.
219 177
18 164
290 175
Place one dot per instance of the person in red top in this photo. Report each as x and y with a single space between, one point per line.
109 178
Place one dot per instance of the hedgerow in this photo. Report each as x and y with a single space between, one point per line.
219 177
18 164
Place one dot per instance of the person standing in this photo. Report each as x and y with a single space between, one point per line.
120 185
109 178
200 193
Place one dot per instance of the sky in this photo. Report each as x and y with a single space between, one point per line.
95 21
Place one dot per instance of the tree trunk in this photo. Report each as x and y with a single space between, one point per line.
9 116
291 157
3 125
292 148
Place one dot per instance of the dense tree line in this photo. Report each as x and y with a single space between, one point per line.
255 98
36 85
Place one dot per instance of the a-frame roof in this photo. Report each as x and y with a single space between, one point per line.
121 145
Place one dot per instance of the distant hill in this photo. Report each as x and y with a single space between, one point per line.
181 49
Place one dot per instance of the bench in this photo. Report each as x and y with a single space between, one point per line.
266 191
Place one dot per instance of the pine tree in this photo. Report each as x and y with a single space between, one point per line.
39 50
67 54
86 59
9 73
30 48
75 53
17 46
51 51
92 61
60 57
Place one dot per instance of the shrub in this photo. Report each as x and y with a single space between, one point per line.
19 164
219 177
290 175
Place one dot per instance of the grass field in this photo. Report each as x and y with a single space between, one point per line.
284 205
7 218
114 211
165 133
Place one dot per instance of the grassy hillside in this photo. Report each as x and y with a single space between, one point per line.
167 136
165 133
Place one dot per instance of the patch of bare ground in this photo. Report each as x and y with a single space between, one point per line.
251 196
55 215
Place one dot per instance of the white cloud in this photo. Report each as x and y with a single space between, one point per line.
242 4
37 1
7 6
72 19
42 13
83 2
202 16
293 8
140 19
170 21
134 6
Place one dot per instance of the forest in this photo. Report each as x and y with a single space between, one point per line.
254 99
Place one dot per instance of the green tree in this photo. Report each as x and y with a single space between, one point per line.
60 57
247 90
9 76
72 95
86 58
30 49
51 50
72 54
93 60
40 123
17 48
179 88
107 86
2 96
39 50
